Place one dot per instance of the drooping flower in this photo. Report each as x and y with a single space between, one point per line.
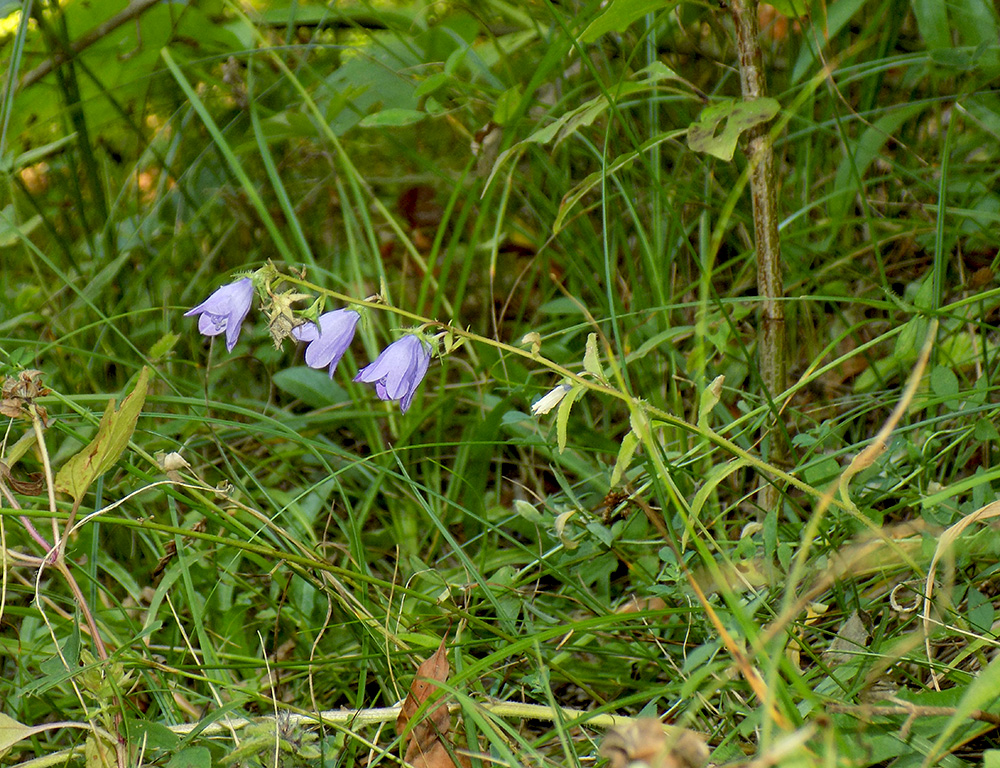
550 399
398 370
225 310
329 341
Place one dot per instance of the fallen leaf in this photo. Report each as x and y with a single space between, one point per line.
436 668
427 745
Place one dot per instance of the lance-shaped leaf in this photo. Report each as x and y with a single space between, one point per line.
592 359
427 744
113 434
709 399
629 443
619 14
562 415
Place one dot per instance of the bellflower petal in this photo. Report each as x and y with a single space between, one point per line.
550 399
305 332
398 370
225 310
329 341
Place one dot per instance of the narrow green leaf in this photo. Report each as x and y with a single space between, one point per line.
640 421
571 198
629 443
562 415
932 21
113 434
619 14
591 358
709 398
792 8
392 118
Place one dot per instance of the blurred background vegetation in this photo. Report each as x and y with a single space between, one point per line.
508 168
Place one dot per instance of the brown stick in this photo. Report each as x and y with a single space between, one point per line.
135 9
763 187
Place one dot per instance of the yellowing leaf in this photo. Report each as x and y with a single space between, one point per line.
113 434
12 732
629 443
591 358
709 399
720 125
562 415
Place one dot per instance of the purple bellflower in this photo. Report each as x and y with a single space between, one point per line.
398 370
225 310
329 341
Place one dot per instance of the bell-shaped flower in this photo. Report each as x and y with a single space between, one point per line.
225 310
330 339
398 370
550 399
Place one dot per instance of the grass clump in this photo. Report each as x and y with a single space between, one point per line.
246 560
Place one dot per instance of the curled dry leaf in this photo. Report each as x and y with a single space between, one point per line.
33 486
647 742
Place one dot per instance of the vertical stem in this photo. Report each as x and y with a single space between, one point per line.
763 187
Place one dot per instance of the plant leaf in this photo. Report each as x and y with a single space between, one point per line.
393 117
709 398
427 745
12 732
562 415
619 14
435 668
629 443
113 434
591 358
719 126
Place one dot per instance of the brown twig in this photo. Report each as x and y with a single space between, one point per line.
135 9
763 187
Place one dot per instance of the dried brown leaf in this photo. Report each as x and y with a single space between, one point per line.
33 486
433 755
435 668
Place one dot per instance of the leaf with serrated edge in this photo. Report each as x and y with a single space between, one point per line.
591 359
562 416
629 443
113 434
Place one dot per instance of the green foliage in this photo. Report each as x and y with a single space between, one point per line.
556 192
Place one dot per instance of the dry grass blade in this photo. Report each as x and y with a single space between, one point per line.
944 543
